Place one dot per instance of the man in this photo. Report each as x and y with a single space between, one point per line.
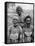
19 12
29 28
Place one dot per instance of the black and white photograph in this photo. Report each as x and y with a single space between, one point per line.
19 22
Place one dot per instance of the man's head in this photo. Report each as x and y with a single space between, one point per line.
28 19
19 10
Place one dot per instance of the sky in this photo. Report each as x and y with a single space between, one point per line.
25 6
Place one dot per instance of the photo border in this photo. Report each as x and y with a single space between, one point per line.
6 19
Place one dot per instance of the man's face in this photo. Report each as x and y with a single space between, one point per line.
19 11
28 20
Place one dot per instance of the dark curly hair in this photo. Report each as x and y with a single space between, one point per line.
26 18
